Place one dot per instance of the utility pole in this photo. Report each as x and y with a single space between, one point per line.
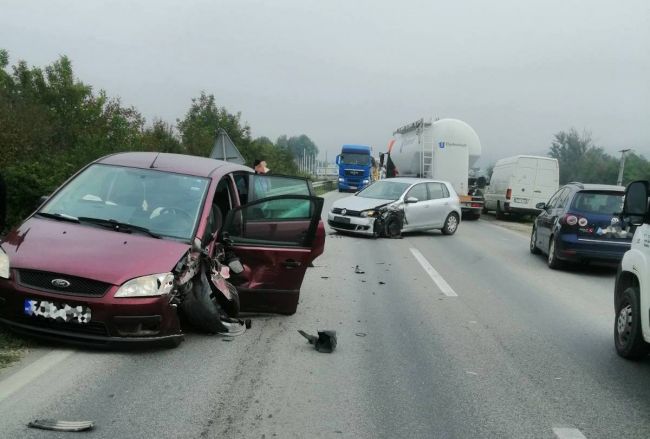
622 166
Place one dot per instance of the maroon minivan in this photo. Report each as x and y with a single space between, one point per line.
99 261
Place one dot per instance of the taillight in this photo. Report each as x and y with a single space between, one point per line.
571 219
508 193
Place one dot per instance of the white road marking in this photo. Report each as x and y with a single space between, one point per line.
433 274
568 433
16 381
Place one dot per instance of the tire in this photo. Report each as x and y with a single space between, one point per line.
201 310
533 242
552 261
485 209
628 337
451 224
230 307
499 213
472 216
173 343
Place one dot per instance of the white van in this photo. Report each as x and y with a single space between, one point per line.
518 183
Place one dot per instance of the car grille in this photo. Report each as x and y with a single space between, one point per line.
355 172
348 212
347 226
42 280
92 328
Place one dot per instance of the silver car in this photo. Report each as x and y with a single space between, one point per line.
427 204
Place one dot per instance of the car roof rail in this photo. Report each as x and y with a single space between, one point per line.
577 183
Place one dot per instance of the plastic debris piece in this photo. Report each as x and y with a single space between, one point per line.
382 283
360 334
325 342
358 270
53 424
248 323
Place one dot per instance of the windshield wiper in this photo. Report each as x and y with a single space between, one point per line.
59 216
118 226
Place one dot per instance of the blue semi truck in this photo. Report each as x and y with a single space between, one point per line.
355 167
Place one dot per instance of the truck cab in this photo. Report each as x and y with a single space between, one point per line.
632 290
355 165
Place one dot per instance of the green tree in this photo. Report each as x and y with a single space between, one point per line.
199 127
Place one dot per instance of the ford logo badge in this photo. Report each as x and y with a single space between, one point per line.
60 283
344 211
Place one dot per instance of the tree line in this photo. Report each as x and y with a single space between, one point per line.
52 124
579 159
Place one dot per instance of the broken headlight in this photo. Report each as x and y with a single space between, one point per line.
146 286
4 264
369 213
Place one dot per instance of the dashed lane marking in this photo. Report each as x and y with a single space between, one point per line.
568 433
433 274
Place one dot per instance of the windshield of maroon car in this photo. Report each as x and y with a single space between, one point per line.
384 190
165 203
598 202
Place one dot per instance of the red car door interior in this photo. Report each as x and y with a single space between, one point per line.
276 238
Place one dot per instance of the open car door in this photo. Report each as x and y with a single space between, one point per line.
276 239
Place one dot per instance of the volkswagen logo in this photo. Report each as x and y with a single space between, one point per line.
615 221
60 283
344 211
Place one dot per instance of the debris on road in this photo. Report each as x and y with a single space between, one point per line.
358 270
324 277
53 424
382 283
360 334
325 342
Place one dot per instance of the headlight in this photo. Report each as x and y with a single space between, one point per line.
341 179
368 213
145 286
4 264
365 181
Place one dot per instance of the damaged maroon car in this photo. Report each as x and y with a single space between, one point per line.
135 240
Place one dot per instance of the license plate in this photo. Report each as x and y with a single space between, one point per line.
353 187
342 219
57 311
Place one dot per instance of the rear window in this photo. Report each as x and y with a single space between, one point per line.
598 202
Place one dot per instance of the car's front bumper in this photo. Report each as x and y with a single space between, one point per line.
353 224
113 322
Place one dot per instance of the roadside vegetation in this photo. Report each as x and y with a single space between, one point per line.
11 347
52 124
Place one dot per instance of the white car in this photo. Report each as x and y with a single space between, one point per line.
426 204
632 290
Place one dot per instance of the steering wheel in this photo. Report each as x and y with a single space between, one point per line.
176 212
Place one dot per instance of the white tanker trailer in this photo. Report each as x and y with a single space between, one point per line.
443 150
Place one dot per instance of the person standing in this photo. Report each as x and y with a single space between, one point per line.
260 167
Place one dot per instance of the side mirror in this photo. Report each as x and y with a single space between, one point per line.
411 200
338 159
636 202
540 206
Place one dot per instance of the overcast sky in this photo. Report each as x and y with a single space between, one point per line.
351 71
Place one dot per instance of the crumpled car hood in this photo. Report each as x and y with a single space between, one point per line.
90 252
360 203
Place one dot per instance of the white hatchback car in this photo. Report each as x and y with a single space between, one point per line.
427 204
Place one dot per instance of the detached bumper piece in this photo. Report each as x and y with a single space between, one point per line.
53 424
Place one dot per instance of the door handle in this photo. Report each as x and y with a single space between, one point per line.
291 263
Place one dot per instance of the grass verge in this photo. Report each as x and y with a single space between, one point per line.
12 347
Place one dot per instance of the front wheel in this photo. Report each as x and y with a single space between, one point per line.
533 242
451 224
500 215
628 337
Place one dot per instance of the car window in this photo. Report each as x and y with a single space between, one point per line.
437 191
609 203
418 191
384 190
552 202
283 221
563 198
165 203
265 186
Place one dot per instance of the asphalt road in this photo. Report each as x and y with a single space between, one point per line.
488 343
